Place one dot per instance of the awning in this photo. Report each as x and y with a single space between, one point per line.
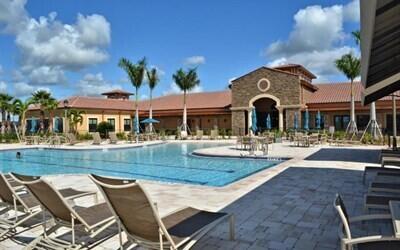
380 48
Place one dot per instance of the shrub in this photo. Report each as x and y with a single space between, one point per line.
85 136
8 138
103 128
121 136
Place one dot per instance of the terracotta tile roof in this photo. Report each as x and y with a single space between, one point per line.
326 93
204 100
117 91
336 93
293 65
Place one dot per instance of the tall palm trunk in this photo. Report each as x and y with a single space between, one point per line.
50 129
137 112
41 125
352 126
151 110
184 124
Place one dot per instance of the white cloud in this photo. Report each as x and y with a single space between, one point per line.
46 75
316 40
12 15
3 87
351 11
94 85
194 60
48 47
321 63
22 89
174 89
48 42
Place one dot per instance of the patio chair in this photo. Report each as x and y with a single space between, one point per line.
15 198
71 139
138 216
364 242
113 138
199 134
96 138
94 220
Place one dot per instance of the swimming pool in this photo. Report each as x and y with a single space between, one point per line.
169 162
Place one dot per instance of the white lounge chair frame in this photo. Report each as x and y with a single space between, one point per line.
346 240
163 232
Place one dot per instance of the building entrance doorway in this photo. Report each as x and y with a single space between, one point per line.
265 106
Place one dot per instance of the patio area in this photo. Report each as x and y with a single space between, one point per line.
284 207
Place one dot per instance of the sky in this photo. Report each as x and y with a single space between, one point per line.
73 47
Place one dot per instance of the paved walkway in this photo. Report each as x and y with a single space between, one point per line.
288 206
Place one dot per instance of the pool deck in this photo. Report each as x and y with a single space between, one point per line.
283 207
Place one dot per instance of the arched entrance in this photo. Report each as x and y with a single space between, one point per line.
265 106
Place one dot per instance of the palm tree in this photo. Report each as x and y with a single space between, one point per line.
5 102
41 97
20 108
186 81
51 105
136 74
153 79
75 117
357 36
350 66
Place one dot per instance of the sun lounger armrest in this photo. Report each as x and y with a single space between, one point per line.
372 238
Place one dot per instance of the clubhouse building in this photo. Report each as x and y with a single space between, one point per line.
282 92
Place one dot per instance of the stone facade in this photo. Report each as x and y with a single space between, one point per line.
284 89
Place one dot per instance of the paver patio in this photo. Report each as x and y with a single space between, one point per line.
285 207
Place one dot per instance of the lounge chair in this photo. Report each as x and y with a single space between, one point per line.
94 220
71 139
138 216
96 138
214 134
365 242
14 197
379 201
199 134
113 138
387 158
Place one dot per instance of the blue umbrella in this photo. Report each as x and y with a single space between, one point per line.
135 128
33 125
306 120
268 124
149 120
56 125
318 120
254 120
296 121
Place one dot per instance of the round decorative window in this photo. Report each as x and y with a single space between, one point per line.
263 85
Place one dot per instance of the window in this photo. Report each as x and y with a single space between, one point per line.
322 121
341 121
389 123
362 121
127 125
112 122
92 124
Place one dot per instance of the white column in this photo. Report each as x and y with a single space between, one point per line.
280 119
249 121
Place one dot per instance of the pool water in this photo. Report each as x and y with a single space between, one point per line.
169 162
